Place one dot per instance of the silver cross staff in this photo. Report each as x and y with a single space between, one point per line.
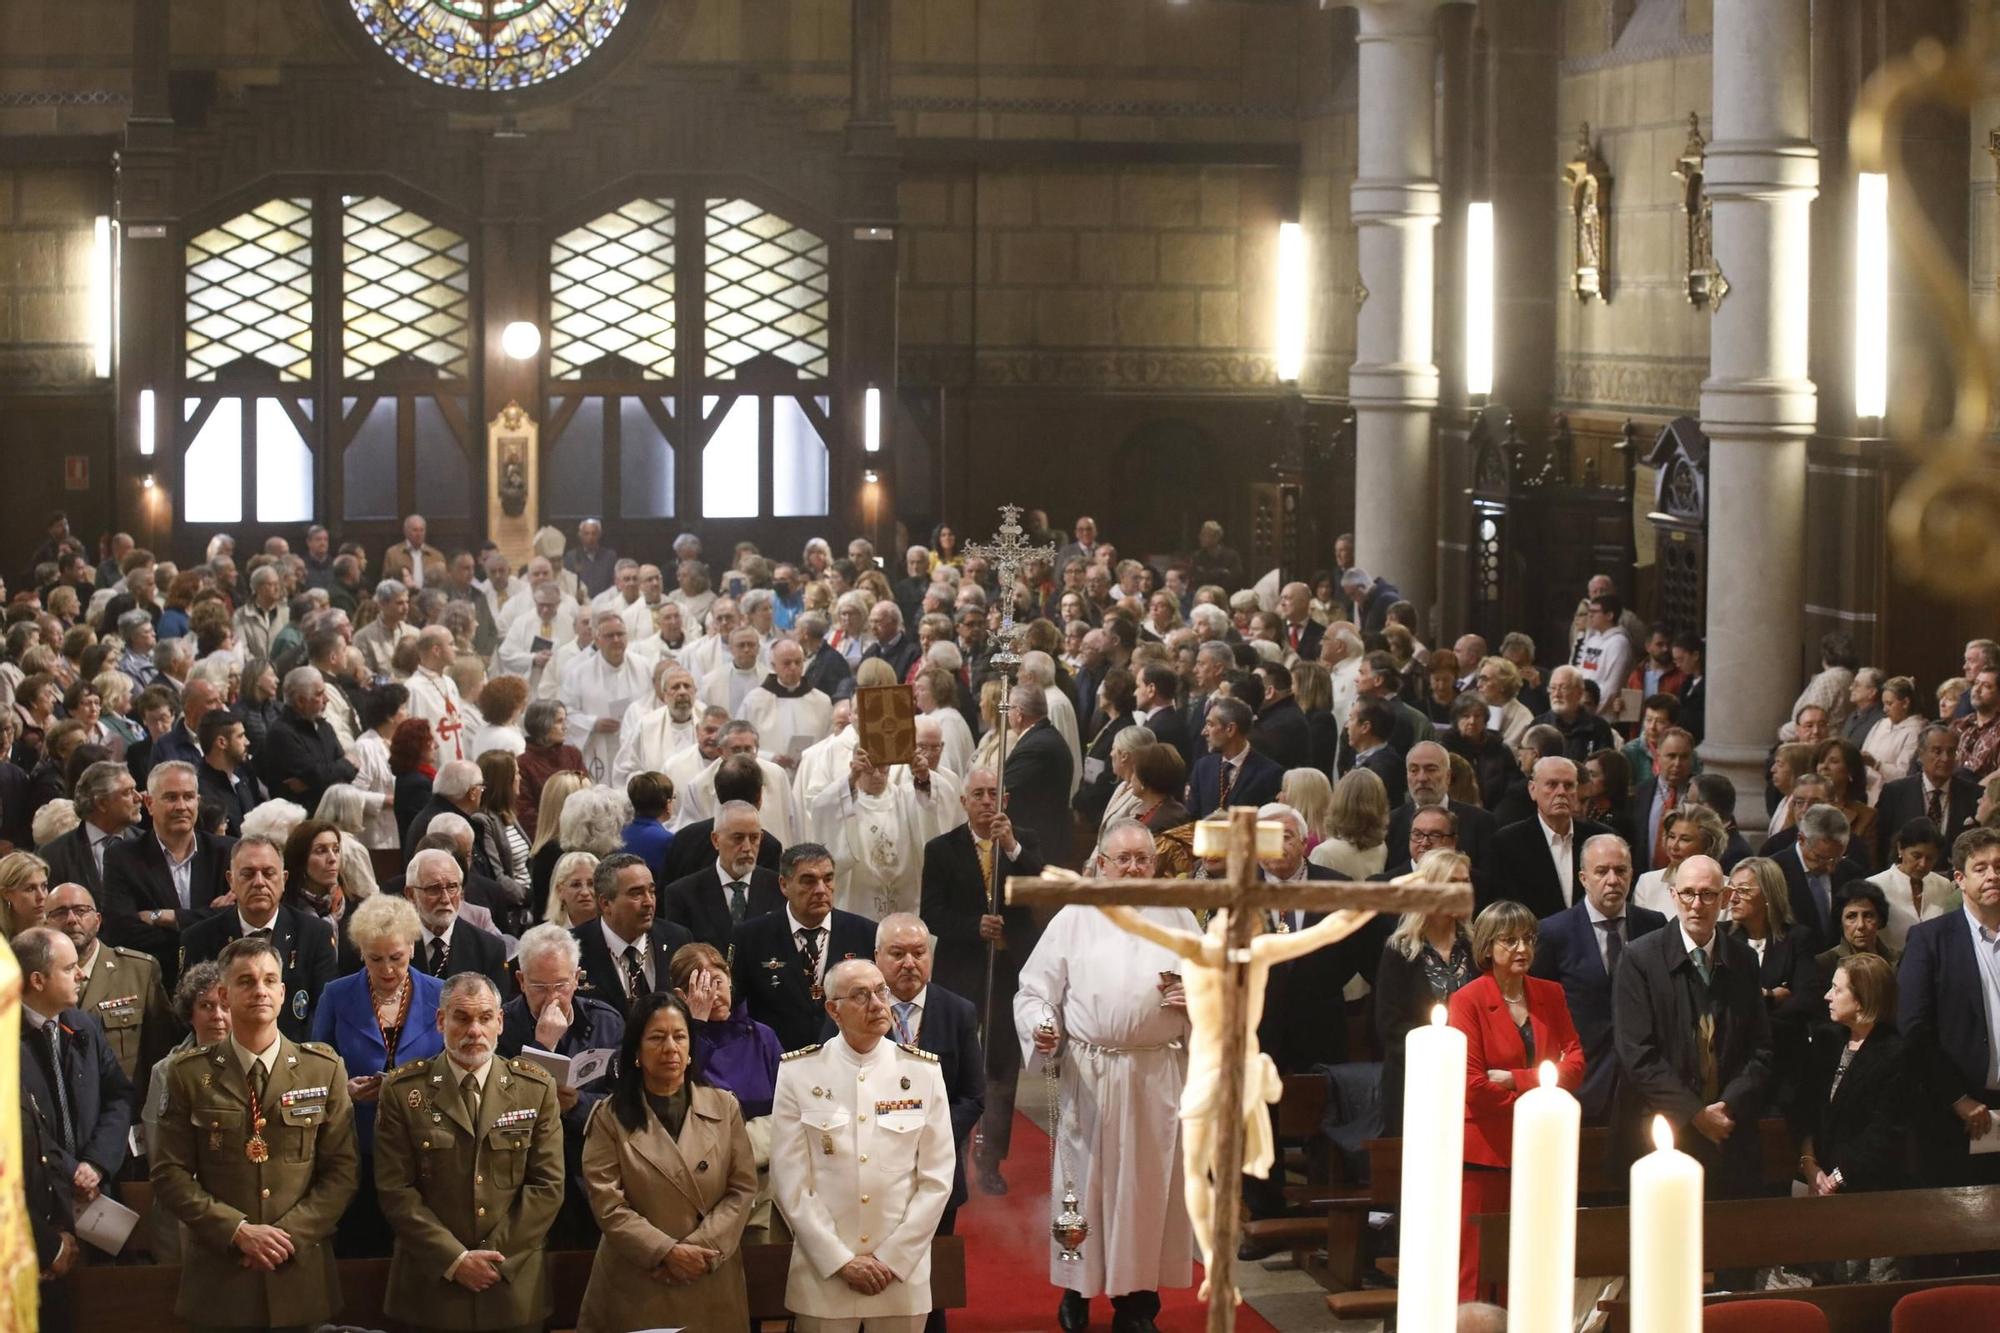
1007 553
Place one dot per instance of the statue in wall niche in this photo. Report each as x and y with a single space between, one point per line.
1704 284
1589 182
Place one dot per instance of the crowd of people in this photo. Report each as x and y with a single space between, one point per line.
323 887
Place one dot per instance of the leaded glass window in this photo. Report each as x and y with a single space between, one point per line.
404 289
250 293
489 45
765 291
611 291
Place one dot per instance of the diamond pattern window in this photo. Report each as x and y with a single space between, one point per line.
250 294
489 45
611 292
765 291
404 292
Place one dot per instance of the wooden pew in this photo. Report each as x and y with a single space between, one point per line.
1762 1233
112 1299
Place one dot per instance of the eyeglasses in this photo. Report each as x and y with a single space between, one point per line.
1707 897
64 913
1515 943
1429 837
881 995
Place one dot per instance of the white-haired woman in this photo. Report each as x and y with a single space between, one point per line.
344 806
572 890
274 820
1125 798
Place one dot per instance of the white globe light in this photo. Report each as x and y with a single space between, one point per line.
521 340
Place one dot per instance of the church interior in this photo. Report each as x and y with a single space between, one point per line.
1504 330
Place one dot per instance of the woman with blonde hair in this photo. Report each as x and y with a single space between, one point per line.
24 892
547 847
1499 685
1312 690
987 753
1690 831
1425 962
1357 827
572 891
1307 791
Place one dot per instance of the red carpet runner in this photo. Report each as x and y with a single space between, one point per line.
1007 1257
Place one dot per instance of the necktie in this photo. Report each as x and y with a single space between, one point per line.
468 1088
1228 780
739 899
259 1076
1701 965
985 846
1668 797
809 942
635 974
1614 942
61 1079
1935 808
261 933
1822 896
903 1008
440 956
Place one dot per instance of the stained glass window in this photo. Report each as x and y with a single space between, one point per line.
489 45
766 290
611 291
404 289
250 292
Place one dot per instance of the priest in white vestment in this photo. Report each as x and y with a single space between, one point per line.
791 713
597 689
582 643
541 571
876 829
642 613
658 728
711 649
1040 668
434 695
529 643
665 639
502 590
624 587
937 698
1121 1034
697 797
687 765
729 685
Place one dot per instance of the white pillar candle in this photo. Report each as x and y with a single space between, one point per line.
1666 1238
1541 1255
1433 1169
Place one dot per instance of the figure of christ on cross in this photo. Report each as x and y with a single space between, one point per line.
1202 1107
1228 1076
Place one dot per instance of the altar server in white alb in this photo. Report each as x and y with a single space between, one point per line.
861 1165
698 793
876 828
657 727
1111 1008
434 695
784 708
597 689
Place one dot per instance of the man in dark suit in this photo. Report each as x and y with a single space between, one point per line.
1660 795
301 756
1368 725
737 778
730 886
454 791
1157 707
449 944
1038 774
1688 651
1944 997
225 774
1231 773
51 1220
1535 861
1377 678
960 869
145 904
1815 865
1302 632
1937 792
1582 947
1281 732
305 948
628 951
108 799
1427 776
1372 598
1693 1040
782 958
70 1079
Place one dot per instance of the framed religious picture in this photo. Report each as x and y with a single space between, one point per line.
885 723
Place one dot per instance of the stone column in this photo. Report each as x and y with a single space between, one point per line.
1394 382
1758 404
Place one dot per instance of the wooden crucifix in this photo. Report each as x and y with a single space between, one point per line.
1227 1084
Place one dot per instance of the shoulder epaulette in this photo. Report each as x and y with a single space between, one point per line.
405 1070
918 1051
134 954
803 1050
194 1053
319 1048
531 1069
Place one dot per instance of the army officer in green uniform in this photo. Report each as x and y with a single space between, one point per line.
257 1156
469 1171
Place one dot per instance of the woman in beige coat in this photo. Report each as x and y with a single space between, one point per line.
671 1177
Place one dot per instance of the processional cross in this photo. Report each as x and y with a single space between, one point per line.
1236 963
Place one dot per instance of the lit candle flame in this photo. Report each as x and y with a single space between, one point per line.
1438 1016
1663 1134
1549 1076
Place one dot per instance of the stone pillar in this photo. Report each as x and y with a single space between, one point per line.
1394 382
1758 404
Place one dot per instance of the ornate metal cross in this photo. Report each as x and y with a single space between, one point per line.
1246 896
1008 552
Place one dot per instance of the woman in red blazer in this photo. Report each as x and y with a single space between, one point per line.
1513 1023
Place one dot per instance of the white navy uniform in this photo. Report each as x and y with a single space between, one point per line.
861 1163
